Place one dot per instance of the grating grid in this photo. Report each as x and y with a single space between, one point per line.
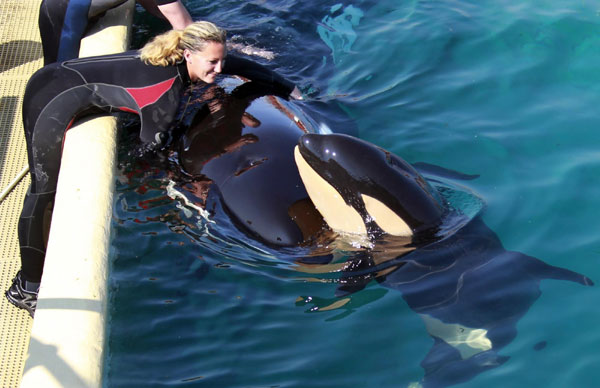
20 56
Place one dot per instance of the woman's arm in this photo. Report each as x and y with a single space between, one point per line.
172 10
176 14
256 72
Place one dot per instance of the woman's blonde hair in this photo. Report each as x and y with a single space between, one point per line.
167 49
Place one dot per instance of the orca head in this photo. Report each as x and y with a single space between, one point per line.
362 189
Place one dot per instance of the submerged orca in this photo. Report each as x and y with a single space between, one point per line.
468 289
283 184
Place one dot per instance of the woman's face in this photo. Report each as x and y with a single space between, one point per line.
205 65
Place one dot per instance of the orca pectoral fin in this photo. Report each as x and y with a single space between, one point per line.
431 169
566 274
543 270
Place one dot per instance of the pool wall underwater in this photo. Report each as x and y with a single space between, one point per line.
68 333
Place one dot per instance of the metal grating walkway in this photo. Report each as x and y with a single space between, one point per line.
20 56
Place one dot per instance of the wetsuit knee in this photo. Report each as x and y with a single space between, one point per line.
63 23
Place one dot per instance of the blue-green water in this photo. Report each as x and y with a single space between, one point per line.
505 90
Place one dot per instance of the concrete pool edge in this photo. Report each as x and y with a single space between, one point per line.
67 342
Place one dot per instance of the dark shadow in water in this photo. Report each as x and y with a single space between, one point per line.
19 52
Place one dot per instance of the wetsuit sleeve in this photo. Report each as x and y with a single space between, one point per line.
256 72
163 2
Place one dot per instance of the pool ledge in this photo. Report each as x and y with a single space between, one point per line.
67 342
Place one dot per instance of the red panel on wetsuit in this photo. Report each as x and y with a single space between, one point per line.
150 94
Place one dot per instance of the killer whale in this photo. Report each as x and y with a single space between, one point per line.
468 289
239 146
244 150
360 188
269 166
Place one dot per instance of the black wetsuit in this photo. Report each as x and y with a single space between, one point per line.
63 23
61 92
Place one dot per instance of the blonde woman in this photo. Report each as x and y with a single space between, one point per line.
148 83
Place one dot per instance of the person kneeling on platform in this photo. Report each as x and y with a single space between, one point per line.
149 83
